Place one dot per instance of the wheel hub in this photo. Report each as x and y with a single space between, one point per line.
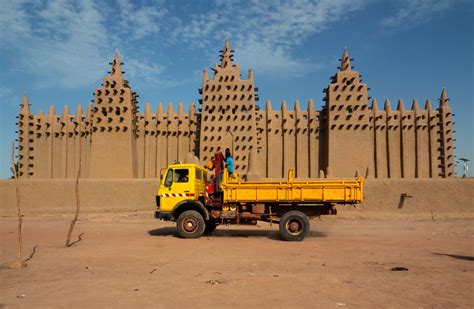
190 225
294 226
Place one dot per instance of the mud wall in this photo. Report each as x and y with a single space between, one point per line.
47 196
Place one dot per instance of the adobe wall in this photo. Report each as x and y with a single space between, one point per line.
442 198
164 138
452 197
289 139
47 196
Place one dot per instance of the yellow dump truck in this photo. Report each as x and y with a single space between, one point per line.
199 206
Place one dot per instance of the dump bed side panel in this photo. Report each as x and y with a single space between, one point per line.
336 191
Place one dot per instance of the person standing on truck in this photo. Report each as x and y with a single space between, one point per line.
229 162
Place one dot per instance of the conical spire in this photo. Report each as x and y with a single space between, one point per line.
116 66
181 113
443 100
310 105
25 105
298 114
89 112
428 105
192 109
226 55
400 105
65 116
147 110
205 76
414 105
297 106
387 105
268 106
79 114
170 111
250 74
51 114
160 110
345 61
375 108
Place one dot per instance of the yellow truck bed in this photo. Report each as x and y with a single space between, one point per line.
294 191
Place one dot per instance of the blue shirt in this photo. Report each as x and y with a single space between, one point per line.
229 163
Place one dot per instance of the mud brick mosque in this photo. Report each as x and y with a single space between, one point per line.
348 137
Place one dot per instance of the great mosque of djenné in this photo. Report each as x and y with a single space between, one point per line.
348 137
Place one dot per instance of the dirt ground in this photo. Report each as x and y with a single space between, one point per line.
131 260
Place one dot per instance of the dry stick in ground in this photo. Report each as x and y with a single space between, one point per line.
78 203
19 263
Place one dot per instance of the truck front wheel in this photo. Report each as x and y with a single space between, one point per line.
190 224
294 226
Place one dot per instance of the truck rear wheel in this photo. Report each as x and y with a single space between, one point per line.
294 226
190 224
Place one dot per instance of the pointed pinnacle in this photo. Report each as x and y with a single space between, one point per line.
79 113
51 111
310 105
226 61
25 105
268 106
89 111
250 74
428 105
374 105
116 66
192 109
414 105
147 110
65 110
443 100
283 105
297 106
181 109
345 61
400 105
205 76
387 105
170 109
160 110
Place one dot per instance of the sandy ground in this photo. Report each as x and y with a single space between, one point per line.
132 260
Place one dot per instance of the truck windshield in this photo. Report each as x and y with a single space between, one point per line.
169 178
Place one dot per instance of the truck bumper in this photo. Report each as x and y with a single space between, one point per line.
162 215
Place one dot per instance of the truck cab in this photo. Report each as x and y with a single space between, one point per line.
181 185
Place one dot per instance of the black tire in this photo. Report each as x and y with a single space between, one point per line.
210 228
190 224
294 226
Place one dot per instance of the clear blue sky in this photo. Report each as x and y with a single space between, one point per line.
58 51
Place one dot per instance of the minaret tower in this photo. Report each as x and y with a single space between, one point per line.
446 137
348 124
114 130
228 112
25 143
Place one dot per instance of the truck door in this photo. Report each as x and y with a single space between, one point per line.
176 188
